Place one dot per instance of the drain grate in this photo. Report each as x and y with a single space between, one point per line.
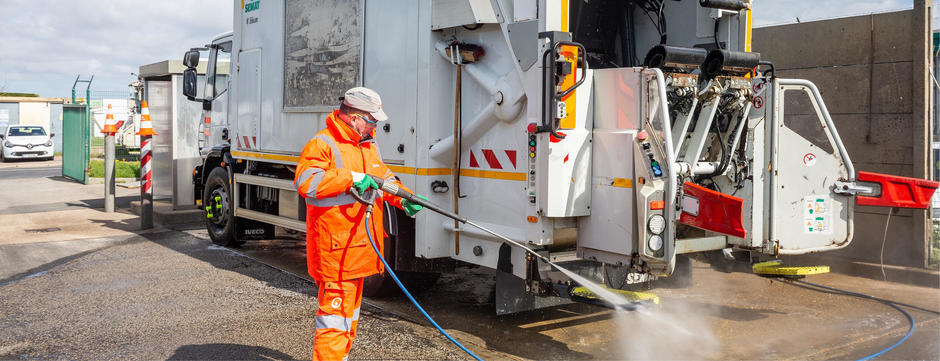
44 230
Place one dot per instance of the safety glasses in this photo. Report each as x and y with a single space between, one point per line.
371 122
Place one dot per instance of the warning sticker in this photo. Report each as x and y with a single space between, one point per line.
758 86
809 159
758 102
817 216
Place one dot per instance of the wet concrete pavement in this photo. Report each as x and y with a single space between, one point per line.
735 315
96 289
91 286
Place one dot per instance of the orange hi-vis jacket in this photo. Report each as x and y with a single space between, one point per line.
337 244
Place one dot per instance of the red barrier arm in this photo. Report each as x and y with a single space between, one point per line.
717 212
902 192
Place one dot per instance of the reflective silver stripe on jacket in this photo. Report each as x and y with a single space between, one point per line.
337 157
339 200
336 322
317 175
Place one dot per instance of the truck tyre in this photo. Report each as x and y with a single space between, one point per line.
381 284
218 210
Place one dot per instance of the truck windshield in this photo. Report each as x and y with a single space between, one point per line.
26 131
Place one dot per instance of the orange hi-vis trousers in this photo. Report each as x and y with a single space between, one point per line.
337 318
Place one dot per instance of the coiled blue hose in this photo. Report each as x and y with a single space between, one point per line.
410 297
889 303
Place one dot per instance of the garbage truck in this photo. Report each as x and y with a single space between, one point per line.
615 137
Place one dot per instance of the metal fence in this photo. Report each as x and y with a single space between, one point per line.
124 109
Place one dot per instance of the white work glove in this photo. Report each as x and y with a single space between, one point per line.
357 177
362 183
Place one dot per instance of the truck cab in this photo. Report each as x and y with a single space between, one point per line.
215 95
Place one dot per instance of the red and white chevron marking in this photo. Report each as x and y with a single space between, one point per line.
145 166
493 159
247 142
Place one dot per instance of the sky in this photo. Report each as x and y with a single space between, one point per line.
45 44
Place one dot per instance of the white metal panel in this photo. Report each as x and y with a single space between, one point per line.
390 67
617 98
248 105
565 184
451 13
185 144
159 96
608 234
806 216
523 10
479 183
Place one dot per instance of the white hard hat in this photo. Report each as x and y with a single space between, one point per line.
366 100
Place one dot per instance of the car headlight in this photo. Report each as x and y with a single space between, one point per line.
49 143
7 144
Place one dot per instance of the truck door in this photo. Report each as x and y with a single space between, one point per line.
217 83
807 158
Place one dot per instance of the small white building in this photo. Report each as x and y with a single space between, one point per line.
45 112
177 122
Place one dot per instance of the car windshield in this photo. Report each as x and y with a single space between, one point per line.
26 131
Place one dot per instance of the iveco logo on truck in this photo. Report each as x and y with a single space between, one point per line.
254 232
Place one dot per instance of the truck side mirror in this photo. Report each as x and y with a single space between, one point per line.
189 82
191 59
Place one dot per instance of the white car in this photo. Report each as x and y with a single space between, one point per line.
26 142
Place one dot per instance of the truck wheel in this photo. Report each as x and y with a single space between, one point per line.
217 204
379 285
382 284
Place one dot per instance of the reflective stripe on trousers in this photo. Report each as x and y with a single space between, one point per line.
337 322
337 318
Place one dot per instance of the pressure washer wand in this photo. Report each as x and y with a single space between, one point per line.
395 190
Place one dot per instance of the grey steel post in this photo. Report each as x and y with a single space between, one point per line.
109 173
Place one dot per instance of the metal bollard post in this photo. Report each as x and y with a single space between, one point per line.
108 130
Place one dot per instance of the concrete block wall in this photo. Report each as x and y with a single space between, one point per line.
873 73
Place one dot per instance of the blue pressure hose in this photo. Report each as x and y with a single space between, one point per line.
889 303
410 297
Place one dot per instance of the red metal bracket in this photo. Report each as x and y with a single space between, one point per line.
902 192
717 212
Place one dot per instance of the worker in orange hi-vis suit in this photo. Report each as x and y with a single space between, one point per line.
339 256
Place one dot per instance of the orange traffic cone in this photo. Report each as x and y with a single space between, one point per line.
109 123
146 126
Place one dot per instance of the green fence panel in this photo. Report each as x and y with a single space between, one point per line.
76 134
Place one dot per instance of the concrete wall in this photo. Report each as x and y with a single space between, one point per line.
873 72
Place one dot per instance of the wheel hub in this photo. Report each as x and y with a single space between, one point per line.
217 206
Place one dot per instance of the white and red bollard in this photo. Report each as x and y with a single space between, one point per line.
146 178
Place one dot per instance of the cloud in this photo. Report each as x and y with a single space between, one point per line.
45 44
